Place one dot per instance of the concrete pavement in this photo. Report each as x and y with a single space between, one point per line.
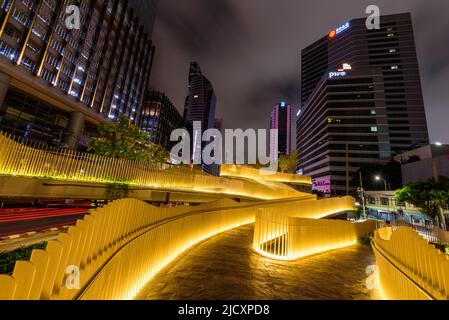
225 267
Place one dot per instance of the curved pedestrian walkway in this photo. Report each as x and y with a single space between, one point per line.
226 268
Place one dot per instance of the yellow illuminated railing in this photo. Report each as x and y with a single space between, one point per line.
21 160
409 267
119 248
237 171
297 232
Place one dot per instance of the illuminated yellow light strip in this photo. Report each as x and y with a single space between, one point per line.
286 235
8 13
130 241
20 160
410 268
22 51
250 173
306 253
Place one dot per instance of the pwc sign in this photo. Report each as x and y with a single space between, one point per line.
342 72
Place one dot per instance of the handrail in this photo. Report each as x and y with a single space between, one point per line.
379 250
425 268
17 159
81 293
128 232
292 234
240 171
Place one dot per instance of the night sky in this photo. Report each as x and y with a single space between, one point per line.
250 51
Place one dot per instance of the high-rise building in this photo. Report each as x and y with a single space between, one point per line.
214 169
201 101
218 124
361 100
58 84
281 119
159 117
146 10
200 106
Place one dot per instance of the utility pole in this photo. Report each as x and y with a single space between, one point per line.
347 168
363 194
436 178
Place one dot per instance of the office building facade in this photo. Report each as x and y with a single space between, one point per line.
159 118
424 163
361 101
200 107
281 120
201 100
58 84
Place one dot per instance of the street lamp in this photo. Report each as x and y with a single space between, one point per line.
379 178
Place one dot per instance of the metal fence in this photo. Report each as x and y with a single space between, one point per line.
120 247
410 268
298 232
17 158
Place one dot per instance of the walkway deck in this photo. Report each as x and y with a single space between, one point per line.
226 268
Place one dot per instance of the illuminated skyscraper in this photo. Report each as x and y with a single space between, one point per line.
201 100
160 118
199 107
281 117
56 84
361 100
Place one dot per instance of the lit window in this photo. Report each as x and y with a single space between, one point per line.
373 112
392 50
374 129
394 67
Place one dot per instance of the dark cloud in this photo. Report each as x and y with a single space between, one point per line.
250 50
196 24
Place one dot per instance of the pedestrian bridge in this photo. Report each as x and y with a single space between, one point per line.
116 250
119 248
36 171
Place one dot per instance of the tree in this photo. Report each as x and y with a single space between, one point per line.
124 140
441 196
419 194
288 163
441 193
428 195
